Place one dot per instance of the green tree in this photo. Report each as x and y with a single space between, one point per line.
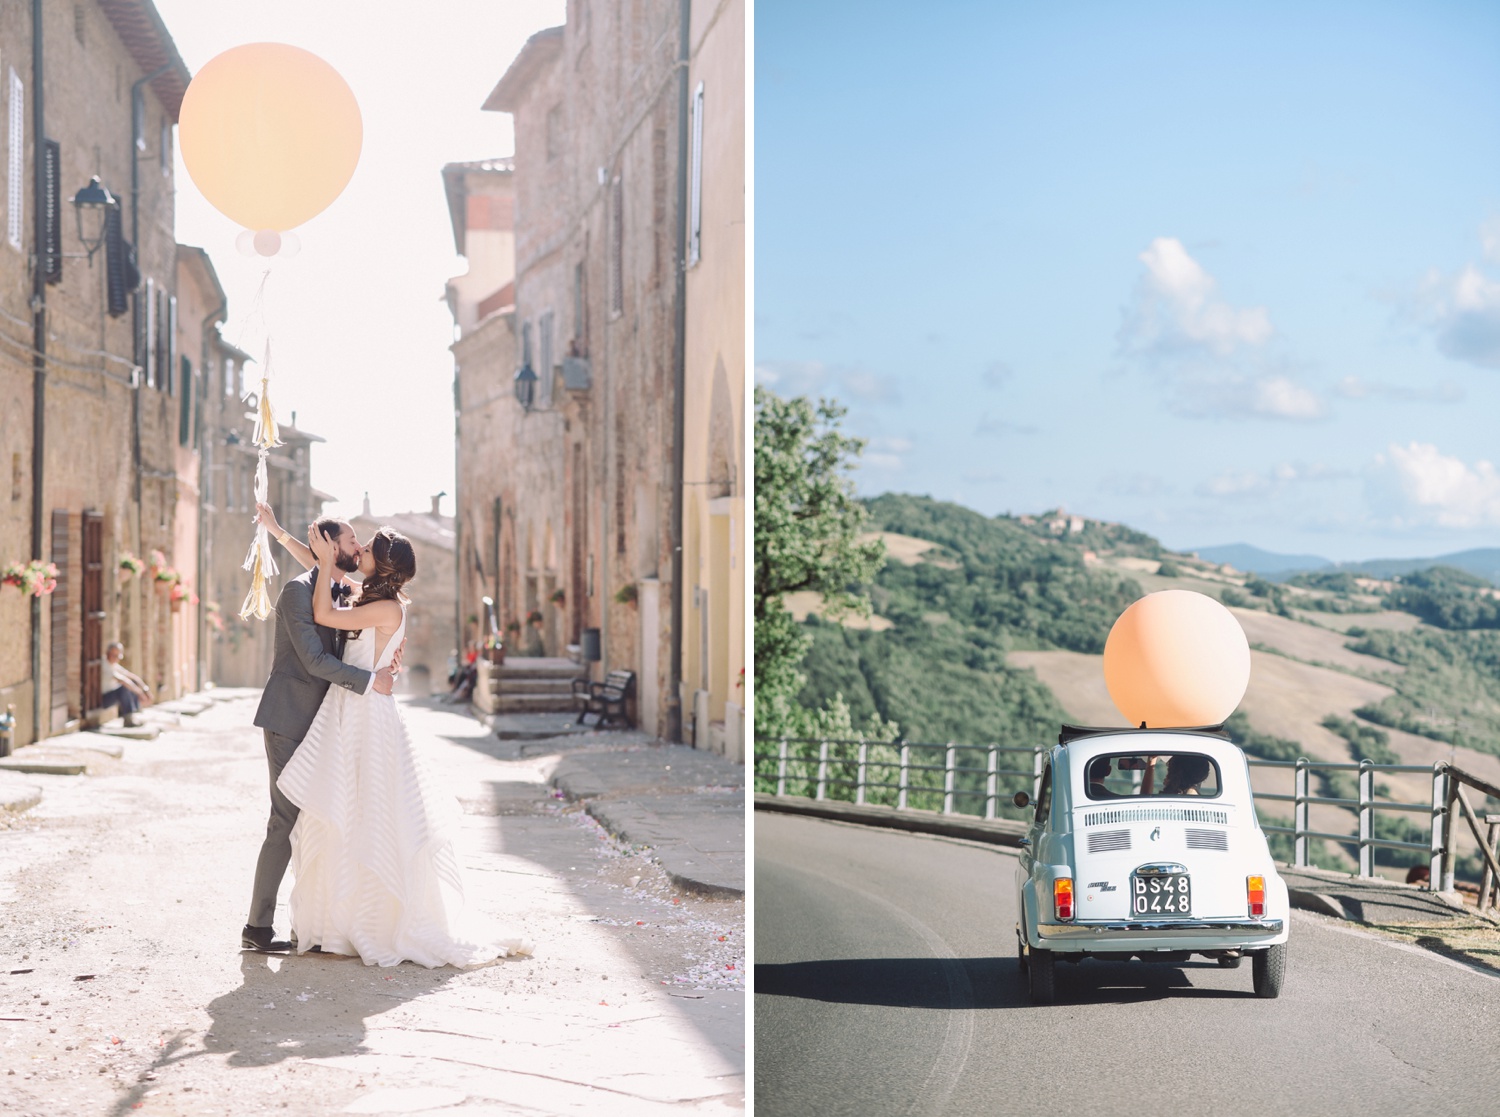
807 538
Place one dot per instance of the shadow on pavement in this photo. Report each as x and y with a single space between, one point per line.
290 1007
995 982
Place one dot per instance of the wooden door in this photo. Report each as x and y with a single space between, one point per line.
58 692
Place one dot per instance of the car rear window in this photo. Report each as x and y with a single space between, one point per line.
1134 775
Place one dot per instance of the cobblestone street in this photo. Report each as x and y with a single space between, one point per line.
123 991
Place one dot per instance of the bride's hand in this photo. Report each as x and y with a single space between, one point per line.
267 518
320 545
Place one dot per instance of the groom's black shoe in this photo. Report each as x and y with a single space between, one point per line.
262 939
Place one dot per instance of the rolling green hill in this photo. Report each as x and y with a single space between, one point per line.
981 587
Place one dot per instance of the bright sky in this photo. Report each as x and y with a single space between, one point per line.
1224 272
359 331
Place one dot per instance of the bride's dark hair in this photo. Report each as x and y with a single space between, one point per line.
395 565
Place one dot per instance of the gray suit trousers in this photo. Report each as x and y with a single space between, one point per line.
276 850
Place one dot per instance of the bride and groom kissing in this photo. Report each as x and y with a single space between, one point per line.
370 836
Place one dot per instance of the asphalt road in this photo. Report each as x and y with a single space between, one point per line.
886 983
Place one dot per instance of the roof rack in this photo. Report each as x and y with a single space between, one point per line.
1077 732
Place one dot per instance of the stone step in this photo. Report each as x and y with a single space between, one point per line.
538 667
44 764
531 684
533 704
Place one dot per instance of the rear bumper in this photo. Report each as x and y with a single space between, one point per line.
1161 934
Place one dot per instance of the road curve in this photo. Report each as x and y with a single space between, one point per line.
886 984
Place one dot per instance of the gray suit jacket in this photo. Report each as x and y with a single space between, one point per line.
304 662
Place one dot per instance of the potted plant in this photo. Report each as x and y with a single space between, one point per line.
129 567
494 650
534 618
215 618
33 579
627 595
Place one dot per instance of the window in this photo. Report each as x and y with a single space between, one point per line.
148 345
229 377
1131 775
15 180
616 248
554 131
580 323
695 182
185 412
1044 796
526 344
544 361
169 343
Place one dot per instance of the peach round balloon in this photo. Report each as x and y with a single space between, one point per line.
1176 658
270 134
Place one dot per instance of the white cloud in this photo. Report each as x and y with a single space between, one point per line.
1279 397
1212 356
1174 309
1418 485
1466 317
1249 483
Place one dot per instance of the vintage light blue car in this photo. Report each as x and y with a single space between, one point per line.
1144 843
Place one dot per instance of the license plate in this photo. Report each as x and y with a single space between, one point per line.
1167 894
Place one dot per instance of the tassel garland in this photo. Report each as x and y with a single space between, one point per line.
259 560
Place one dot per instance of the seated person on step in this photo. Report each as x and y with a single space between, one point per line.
120 687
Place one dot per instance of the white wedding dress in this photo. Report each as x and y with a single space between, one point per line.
374 858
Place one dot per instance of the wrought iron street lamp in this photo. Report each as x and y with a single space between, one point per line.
525 387
92 205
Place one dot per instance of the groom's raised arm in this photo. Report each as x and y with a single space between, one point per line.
295 605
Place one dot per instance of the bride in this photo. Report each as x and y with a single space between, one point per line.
374 855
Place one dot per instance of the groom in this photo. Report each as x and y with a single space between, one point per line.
305 661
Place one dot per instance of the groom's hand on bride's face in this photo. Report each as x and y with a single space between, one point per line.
385 681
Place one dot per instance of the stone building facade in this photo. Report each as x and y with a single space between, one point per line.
99 470
431 632
714 452
596 110
572 502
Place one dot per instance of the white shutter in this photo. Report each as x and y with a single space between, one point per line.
695 182
150 354
16 178
170 371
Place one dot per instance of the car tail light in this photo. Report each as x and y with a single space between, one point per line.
1255 894
1062 897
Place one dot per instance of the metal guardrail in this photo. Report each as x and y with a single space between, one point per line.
848 763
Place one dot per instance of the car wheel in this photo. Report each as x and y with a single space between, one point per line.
1267 968
1231 962
1041 968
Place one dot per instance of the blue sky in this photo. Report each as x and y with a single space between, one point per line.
1222 272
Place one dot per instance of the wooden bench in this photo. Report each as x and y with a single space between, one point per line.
607 699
